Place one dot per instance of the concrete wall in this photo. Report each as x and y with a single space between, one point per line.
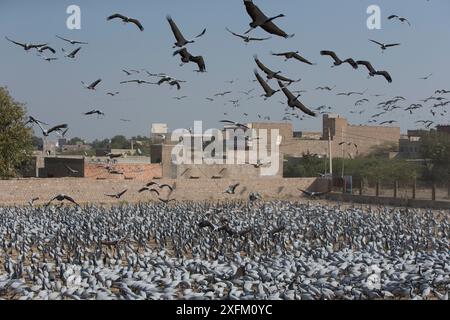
366 137
31 170
298 147
285 130
156 153
57 167
205 171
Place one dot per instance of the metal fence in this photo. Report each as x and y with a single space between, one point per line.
414 190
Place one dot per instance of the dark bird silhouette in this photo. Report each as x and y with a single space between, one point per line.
312 194
385 74
325 88
222 94
93 85
186 57
117 195
237 124
171 81
126 20
92 112
137 81
48 59
271 74
293 101
259 19
373 72
72 54
166 201
162 186
337 60
269 92
360 102
35 121
43 48
62 197
348 94
149 189
26 46
292 55
401 19
385 46
71 41
57 128
388 122
128 73
181 40
427 77
247 39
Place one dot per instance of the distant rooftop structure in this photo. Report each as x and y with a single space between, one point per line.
159 128
443 129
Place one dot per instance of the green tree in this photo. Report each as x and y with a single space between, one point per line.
142 144
436 152
75 140
383 149
310 165
120 142
16 143
101 145
374 169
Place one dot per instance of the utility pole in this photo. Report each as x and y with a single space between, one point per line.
343 154
330 152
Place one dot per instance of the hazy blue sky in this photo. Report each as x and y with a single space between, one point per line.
53 92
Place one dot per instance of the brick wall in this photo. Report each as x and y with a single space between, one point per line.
19 192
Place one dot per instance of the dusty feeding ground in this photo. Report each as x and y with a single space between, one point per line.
229 250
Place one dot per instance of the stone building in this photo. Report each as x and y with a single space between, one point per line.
346 140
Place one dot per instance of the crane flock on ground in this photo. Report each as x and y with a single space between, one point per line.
234 251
